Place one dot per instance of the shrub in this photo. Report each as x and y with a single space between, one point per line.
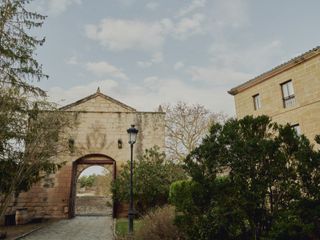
152 178
158 224
215 219
87 181
180 194
271 190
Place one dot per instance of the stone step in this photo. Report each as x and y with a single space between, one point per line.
93 206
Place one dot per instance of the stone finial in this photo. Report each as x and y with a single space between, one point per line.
160 109
98 90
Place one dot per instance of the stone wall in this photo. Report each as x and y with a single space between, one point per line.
99 130
93 206
100 103
306 111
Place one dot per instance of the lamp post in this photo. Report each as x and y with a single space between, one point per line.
132 131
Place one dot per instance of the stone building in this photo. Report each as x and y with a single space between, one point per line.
99 137
289 93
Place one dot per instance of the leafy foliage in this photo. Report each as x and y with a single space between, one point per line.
30 136
17 46
87 181
181 194
151 181
100 184
271 180
31 129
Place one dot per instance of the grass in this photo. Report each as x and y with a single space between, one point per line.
122 226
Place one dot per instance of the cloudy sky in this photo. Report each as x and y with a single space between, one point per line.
148 52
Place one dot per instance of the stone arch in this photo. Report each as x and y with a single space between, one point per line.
89 159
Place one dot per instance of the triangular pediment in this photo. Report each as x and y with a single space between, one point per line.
98 102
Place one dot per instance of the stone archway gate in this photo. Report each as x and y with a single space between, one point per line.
99 136
90 159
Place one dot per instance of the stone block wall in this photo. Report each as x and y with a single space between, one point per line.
305 78
94 132
99 103
93 206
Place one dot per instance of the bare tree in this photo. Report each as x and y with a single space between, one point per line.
186 125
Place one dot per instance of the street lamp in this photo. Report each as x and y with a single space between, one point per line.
132 131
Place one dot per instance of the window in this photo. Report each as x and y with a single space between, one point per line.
256 101
288 94
297 128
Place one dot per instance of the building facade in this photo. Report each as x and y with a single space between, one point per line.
98 137
289 93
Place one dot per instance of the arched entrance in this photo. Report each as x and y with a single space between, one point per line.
94 190
90 159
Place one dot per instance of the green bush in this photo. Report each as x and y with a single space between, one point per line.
289 226
271 190
204 216
87 181
153 175
181 194
300 221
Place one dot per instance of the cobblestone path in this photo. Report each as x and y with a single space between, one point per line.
78 228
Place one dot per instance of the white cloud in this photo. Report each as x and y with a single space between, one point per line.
63 96
230 13
155 91
56 7
189 26
72 60
119 34
227 55
151 92
156 58
195 4
152 5
145 64
122 34
151 83
126 3
178 65
105 69
218 76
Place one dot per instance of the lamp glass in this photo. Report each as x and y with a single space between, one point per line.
132 138
132 134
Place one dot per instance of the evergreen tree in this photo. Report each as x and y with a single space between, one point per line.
152 177
251 179
30 127
18 66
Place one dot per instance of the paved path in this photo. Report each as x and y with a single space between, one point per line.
78 228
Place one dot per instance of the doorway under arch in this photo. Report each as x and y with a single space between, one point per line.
78 166
93 194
